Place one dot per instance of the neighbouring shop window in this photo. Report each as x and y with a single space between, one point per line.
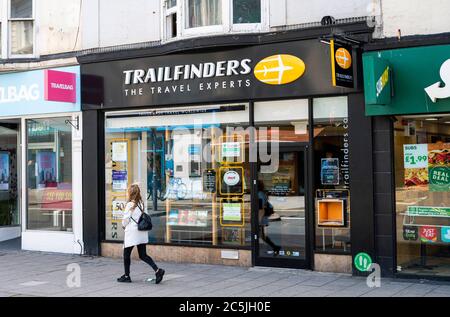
192 166
49 174
9 195
422 181
246 11
282 133
21 27
204 13
331 174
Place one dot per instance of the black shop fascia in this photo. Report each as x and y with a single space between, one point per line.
217 76
274 71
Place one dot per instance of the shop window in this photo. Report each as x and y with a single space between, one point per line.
192 166
200 17
331 174
9 194
21 24
422 181
49 174
246 11
203 13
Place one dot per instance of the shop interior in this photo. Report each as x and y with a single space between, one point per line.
194 166
191 164
422 177
9 195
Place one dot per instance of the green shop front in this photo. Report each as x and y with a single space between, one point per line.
407 94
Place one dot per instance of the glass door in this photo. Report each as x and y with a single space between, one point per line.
9 192
282 206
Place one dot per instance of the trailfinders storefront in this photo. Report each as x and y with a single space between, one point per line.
408 95
40 148
211 135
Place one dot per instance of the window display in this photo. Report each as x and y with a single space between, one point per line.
332 177
422 170
9 195
49 175
193 165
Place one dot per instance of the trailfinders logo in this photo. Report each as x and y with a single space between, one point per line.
229 74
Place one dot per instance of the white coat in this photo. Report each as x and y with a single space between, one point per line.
133 236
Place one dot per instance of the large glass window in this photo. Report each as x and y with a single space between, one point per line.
331 174
246 11
9 195
422 180
192 166
49 174
22 27
204 13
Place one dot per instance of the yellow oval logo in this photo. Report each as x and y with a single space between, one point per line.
280 69
343 58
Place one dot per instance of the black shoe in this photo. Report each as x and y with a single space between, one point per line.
159 275
124 279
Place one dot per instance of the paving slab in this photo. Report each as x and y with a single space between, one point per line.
26 273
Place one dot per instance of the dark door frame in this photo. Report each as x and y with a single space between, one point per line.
281 261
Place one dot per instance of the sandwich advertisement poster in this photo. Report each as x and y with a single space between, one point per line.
427 165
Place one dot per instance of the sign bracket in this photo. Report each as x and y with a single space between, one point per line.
74 123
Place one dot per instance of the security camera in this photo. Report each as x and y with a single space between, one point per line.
328 20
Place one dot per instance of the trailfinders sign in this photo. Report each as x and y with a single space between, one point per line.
292 69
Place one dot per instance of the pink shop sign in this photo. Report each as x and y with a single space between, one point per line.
60 86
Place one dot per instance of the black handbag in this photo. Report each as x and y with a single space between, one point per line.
145 221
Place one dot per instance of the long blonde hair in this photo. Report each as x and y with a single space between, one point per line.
134 196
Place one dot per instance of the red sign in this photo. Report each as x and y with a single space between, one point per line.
57 199
428 234
60 86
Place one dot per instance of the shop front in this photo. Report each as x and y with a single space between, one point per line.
243 154
408 89
40 147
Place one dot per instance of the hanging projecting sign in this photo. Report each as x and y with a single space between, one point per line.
294 69
341 64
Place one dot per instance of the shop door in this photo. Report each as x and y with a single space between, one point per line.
9 191
282 211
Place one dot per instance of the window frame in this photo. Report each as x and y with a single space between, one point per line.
4 29
166 13
203 30
250 27
227 26
10 20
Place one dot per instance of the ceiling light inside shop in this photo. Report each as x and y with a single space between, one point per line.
301 127
431 119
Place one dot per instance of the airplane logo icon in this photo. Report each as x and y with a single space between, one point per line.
279 69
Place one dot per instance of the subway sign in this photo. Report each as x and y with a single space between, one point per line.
293 69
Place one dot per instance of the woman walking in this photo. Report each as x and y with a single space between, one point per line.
134 237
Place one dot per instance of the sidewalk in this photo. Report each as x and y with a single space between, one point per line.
41 274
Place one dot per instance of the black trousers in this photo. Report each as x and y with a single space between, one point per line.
142 255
